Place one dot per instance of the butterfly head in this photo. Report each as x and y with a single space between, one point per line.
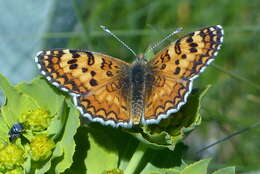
140 59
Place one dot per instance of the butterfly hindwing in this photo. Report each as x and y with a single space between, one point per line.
107 105
166 95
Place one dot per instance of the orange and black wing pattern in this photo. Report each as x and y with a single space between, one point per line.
176 66
93 80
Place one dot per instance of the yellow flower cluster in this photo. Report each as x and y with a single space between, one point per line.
36 120
11 157
41 147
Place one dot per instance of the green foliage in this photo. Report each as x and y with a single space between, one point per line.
54 142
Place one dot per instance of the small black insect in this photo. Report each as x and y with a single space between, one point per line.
15 131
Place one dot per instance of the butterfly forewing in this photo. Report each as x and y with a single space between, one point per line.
77 71
93 79
176 66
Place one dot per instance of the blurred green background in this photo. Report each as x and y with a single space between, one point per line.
232 103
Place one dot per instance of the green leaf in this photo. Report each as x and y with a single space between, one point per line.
199 167
16 102
151 169
4 129
39 94
47 96
67 142
63 126
165 159
227 170
176 127
172 171
82 147
100 157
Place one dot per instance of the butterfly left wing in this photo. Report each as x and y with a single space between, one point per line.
175 67
77 71
93 79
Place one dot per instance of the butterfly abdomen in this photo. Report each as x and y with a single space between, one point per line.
137 78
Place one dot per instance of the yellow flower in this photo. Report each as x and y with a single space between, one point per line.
36 120
41 147
114 171
11 156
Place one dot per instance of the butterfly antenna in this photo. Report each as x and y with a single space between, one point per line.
167 37
117 38
229 136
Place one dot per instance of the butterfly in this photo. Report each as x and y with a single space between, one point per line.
113 92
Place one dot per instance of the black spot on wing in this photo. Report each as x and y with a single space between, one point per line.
91 59
93 82
73 66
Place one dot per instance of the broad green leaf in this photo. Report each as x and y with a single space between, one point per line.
67 142
4 129
172 171
151 169
164 171
100 159
16 102
102 154
165 159
227 170
58 122
199 167
82 148
48 96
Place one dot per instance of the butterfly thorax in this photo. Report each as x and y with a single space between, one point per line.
137 77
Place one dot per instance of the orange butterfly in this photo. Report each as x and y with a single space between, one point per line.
113 92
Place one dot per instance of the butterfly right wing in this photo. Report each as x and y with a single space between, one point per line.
175 68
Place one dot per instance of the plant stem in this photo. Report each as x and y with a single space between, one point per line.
136 158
